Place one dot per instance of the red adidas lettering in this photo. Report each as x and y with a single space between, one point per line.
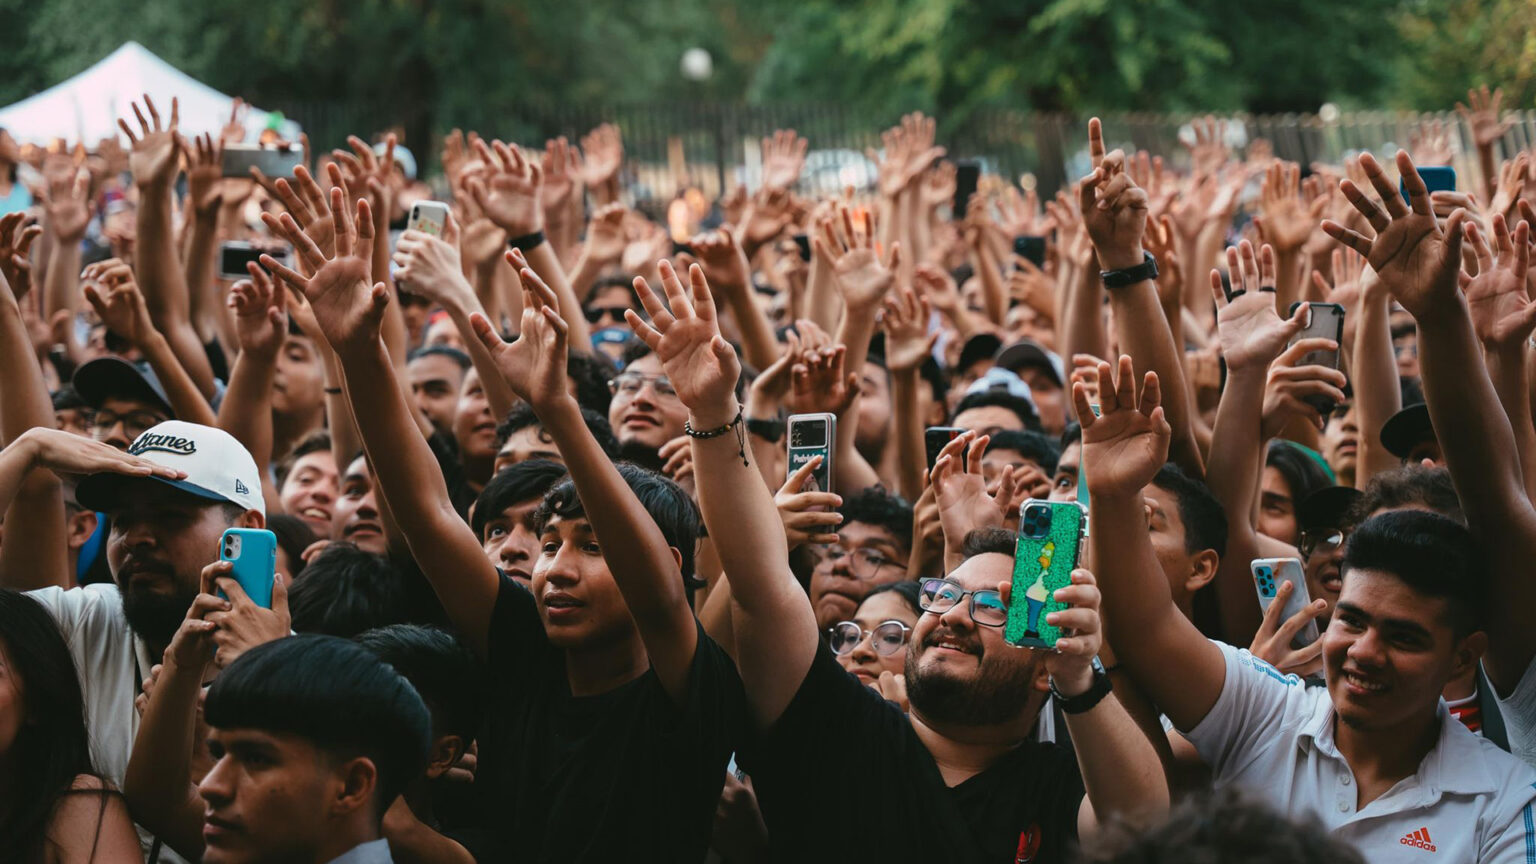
1419 839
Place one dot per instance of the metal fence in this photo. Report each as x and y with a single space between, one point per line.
670 146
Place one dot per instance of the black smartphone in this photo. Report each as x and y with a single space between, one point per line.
1324 321
967 175
803 243
234 255
936 437
1033 248
679 248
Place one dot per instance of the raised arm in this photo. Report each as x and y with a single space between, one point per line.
204 203
67 453
907 344
347 309
1378 394
725 266
68 213
155 160
261 325
1115 217
861 278
774 627
637 553
1123 449
1420 262
1487 128
1496 299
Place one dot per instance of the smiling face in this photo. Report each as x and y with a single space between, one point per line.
958 671
864 662
577 599
1389 651
356 516
839 581
310 490
266 798
646 418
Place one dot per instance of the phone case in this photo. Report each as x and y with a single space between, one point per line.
1325 322
428 217
273 162
1050 537
254 553
799 454
936 437
1268 575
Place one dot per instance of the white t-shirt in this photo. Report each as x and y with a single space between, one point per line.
1468 802
1519 712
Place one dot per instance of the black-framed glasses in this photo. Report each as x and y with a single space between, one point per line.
597 313
135 423
863 562
887 638
1323 541
631 383
941 595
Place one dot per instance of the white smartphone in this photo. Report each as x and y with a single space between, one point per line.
1268 575
428 217
238 159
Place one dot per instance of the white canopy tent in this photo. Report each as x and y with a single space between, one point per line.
86 107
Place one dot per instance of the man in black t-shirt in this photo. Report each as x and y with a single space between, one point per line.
612 716
841 773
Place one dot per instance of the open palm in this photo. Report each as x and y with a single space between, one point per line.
1502 313
1248 327
153 157
701 365
533 364
346 305
1125 445
509 192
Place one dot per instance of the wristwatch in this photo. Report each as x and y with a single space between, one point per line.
1086 700
770 430
1147 269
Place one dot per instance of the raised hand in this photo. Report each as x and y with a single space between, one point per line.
1272 643
808 517
240 624
605 233
701 365
1251 332
1292 388
1071 664
205 189
766 217
724 262
603 154
907 340
820 383
783 159
862 277
114 293
533 364
261 313
347 306
937 287
1502 313
1209 152
1114 207
66 453
68 208
1483 117
939 185
16 238
509 191
1415 258
311 212
154 151
560 170
961 491
1286 221
1125 445
430 266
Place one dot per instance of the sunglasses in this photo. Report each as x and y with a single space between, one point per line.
598 313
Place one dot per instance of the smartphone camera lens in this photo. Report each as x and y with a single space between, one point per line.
1036 521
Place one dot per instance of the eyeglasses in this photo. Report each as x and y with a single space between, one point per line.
1321 540
887 638
135 423
597 313
631 383
864 563
941 595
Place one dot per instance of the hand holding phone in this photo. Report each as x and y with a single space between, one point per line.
1050 540
1269 574
253 552
812 435
1324 321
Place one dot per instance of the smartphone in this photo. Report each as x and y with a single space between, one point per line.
274 162
1032 248
1437 178
1326 321
1050 539
235 254
812 435
428 217
1268 575
803 243
254 553
934 439
967 175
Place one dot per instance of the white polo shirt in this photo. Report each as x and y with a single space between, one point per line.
1519 712
1468 802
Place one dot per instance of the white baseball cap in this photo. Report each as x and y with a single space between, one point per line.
217 466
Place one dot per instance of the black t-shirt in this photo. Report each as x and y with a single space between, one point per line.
627 775
842 776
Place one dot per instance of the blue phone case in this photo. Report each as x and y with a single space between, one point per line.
254 553
1437 178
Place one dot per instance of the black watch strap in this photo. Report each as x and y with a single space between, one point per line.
1088 699
770 430
1147 269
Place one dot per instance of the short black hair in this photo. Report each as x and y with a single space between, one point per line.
315 442
1205 522
1430 554
1072 434
635 350
608 283
452 353
334 694
293 536
984 541
522 416
1033 446
907 589
1220 826
1407 486
591 372
665 501
441 669
875 506
514 484
345 591
1301 472
1000 399
67 397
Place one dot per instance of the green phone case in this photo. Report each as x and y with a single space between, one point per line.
1043 562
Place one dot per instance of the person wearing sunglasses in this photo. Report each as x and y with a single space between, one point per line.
874 641
1325 520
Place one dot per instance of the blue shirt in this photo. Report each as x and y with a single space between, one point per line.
372 852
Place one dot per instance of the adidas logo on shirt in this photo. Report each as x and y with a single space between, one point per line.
1419 838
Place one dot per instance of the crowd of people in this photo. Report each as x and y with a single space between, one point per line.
549 586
